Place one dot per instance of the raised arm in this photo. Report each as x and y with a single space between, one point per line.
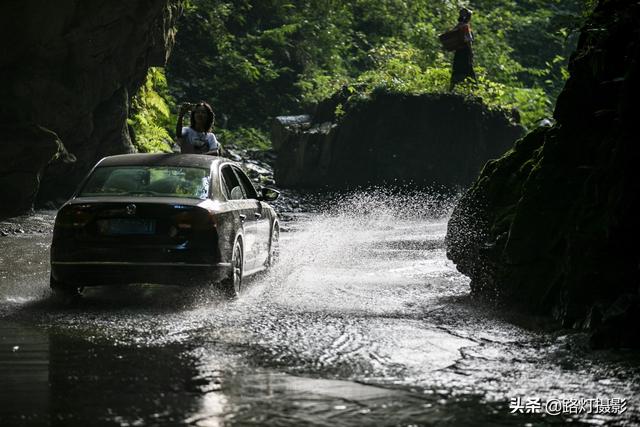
183 109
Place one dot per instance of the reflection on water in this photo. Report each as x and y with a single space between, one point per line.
24 373
127 385
364 321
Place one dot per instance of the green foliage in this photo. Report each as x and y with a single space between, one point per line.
246 57
533 43
150 116
532 104
397 68
254 60
250 138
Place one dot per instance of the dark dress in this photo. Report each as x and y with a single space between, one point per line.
463 62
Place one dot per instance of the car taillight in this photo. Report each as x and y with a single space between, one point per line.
184 220
187 221
73 217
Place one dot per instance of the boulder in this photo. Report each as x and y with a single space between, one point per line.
430 139
551 227
282 126
70 67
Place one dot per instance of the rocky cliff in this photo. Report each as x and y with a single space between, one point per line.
553 225
68 70
437 139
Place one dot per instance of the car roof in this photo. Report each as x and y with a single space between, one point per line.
162 159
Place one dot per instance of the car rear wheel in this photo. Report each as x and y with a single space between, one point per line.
274 247
64 290
233 283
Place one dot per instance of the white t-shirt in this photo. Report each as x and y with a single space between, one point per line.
201 141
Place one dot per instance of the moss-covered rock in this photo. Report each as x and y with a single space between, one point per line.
552 225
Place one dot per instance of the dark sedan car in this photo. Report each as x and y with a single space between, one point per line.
166 219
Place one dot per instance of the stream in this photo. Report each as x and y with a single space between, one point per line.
364 321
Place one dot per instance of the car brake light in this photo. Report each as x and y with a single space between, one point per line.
186 221
73 217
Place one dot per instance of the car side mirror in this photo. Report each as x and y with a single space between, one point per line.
268 194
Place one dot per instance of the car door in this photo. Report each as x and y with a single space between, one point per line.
244 210
262 220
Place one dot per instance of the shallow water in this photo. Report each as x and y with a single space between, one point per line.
363 322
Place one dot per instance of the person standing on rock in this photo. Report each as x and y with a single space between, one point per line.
197 137
463 56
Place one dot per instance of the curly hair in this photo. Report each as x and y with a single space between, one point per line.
210 115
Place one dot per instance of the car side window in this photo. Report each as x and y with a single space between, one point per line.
247 186
230 185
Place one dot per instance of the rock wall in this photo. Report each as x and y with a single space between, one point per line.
439 139
553 225
68 69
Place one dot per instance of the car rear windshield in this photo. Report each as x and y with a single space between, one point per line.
148 181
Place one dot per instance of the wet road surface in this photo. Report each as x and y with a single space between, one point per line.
363 322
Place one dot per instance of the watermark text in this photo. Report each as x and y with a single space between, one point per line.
613 406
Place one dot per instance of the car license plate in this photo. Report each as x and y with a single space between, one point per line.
119 226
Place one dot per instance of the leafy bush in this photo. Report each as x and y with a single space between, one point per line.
248 138
532 104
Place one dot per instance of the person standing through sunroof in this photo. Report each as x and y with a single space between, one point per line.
198 137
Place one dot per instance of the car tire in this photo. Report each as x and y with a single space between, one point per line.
232 284
274 247
64 290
